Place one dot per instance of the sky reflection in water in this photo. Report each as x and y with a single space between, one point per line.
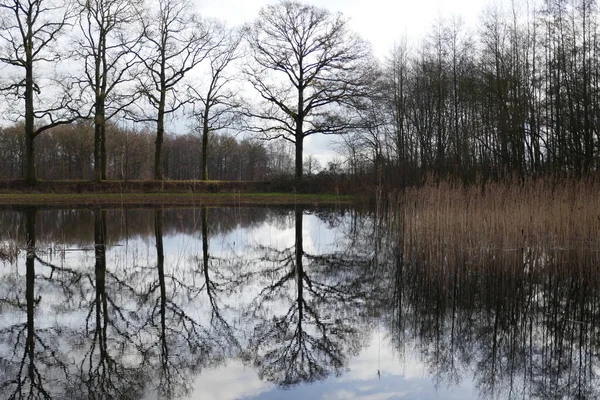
267 303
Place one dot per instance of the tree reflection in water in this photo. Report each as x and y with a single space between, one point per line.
523 321
219 280
105 370
520 322
311 311
32 364
185 344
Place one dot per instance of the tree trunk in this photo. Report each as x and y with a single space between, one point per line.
158 173
99 143
97 171
299 151
160 131
299 138
30 175
299 134
205 132
103 151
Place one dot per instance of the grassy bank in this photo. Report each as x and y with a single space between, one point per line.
174 193
322 184
171 199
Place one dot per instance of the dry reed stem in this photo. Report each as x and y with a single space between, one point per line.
521 226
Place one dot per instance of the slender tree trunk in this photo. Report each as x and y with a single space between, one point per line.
30 176
99 142
299 135
160 131
97 171
103 150
30 173
205 132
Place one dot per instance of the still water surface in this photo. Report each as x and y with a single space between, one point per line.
269 303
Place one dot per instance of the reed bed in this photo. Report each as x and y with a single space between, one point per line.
523 226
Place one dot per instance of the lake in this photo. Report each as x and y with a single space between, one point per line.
302 302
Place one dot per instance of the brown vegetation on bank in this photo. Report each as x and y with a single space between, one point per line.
531 225
318 189
134 186
561 214
504 277
320 184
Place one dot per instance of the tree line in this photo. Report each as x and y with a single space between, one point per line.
65 152
517 95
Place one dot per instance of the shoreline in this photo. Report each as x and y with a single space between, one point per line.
115 200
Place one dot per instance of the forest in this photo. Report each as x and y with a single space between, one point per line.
90 90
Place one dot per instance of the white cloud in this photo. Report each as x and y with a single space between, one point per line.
345 394
341 394
379 355
229 382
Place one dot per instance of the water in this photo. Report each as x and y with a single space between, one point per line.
266 303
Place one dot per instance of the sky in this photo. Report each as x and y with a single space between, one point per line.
382 22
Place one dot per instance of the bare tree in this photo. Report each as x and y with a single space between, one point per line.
217 102
176 42
108 38
29 30
308 68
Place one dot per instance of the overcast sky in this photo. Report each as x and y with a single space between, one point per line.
381 22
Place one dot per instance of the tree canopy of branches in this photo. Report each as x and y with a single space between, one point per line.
217 101
514 98
29 32
308 69
176 41
107 48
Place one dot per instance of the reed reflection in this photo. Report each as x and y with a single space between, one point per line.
523 321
